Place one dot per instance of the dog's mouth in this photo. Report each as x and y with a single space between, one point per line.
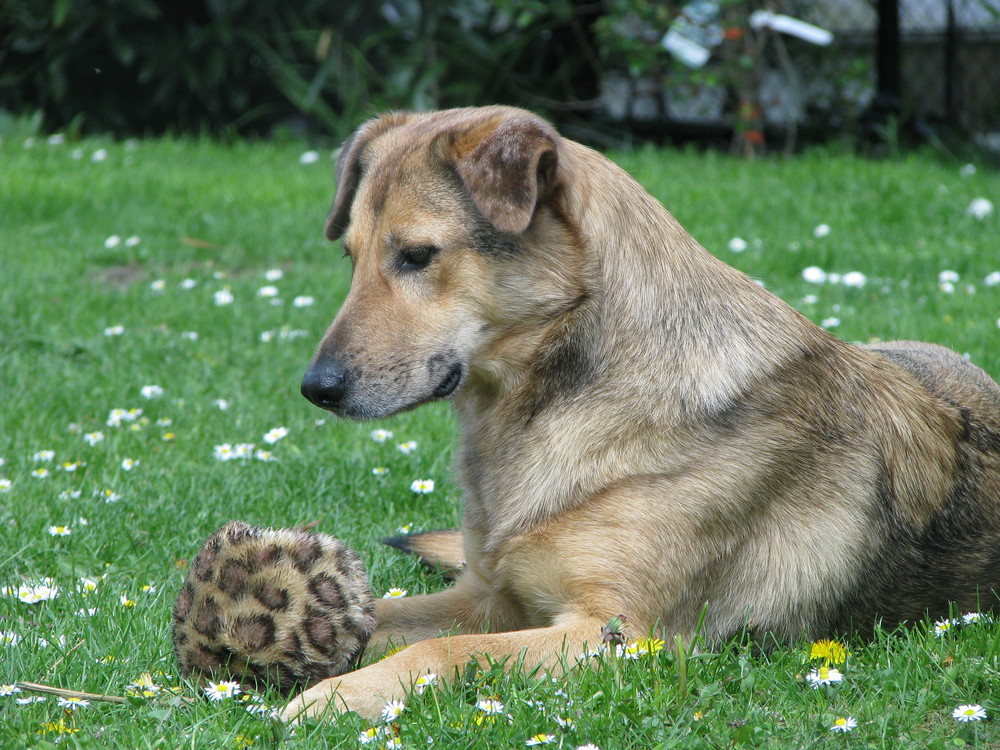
451 381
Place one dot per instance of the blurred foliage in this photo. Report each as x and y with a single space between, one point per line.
254 66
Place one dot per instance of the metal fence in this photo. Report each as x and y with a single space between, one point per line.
941 67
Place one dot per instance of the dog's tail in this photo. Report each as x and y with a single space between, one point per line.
440 550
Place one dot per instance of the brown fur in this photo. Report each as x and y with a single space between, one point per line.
279 607
644 429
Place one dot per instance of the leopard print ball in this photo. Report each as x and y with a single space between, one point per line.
272 607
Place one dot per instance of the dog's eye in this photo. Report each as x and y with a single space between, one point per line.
416 258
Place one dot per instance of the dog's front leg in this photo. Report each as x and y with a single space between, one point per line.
470 606
367 690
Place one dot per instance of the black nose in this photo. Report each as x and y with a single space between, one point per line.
325 384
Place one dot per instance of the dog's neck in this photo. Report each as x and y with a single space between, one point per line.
660 322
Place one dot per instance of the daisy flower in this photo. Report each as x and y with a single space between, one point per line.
821 230
40 473
86 586
379 471
5 484
303 300
110 496
422 486
309 157
814 275
395 593
144 686
128 464
93 438
408 447
132 241
159 285
831 322
843 724
588 746
380 436
274 435
223 452
274 274
980 208
187 284
540 739
490 706
737 245
854 279
374 734
151 391
221 404
112 241
114 331
992 279
972 618
72 704
969 712
824 676
267 291
28 700
217 691
223 297
9 638
425 681
943 626
60 530
125 601
392 710
43 456
262 455
6 690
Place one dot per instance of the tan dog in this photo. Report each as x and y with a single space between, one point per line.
644 429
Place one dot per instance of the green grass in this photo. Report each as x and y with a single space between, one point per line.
223 216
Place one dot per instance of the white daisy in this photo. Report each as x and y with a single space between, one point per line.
114 331
394 593
821 230
980 208
72 704
217 691
392 710
274 274
274 435
5 484
6 690
45 456
408 447
380 436
824 676
490 706
112 242
843 724
223 297
187 284
540 739
855 279
93 438
422 486
159 285
969 712
128 464
943 626
425 681
267 291
309 157
814 275
151 391
992 279
303 300
9 638
60 530
737 245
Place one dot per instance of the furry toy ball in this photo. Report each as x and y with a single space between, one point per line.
272 607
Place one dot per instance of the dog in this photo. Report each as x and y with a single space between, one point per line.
645 431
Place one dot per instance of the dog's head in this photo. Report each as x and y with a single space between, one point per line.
453 226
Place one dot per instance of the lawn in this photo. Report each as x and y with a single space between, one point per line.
162 298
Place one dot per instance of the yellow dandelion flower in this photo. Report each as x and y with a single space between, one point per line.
831 652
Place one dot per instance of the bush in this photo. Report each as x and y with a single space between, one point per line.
245 66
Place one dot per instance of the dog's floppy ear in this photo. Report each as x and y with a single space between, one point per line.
507 169
347 171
